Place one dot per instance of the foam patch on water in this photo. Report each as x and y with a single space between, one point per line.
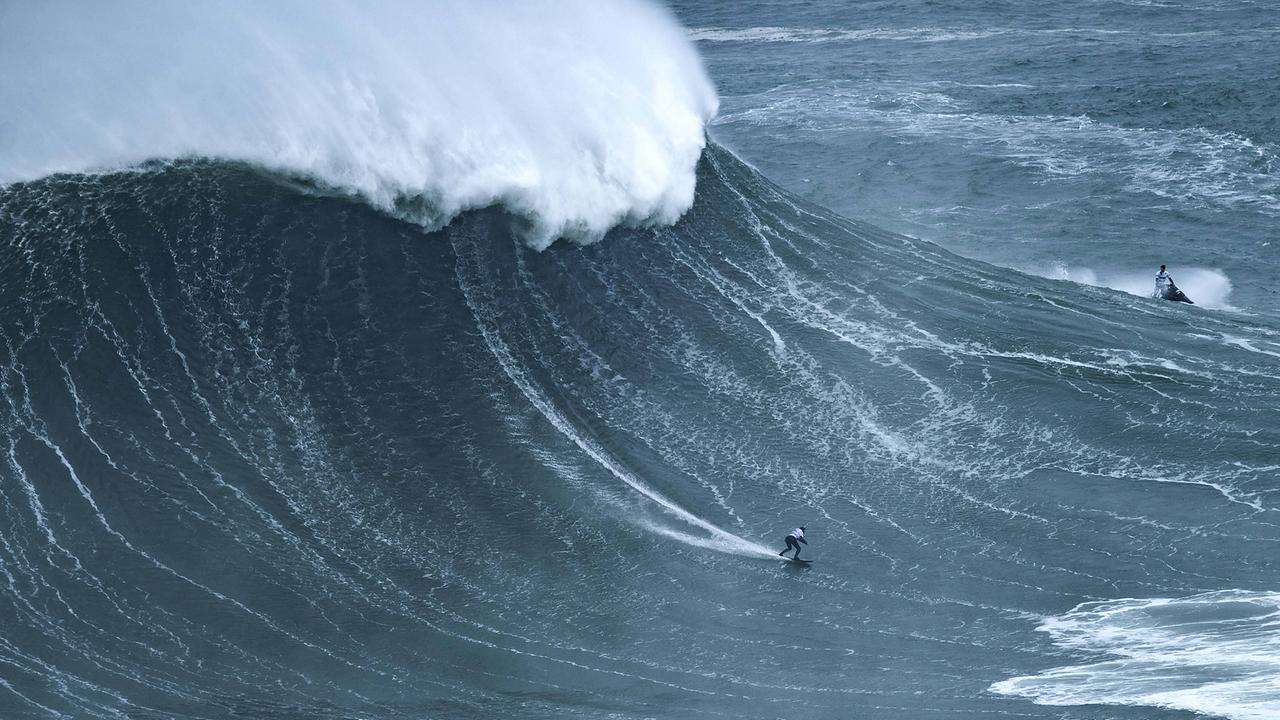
1214 653
821 35
774 34
1205 286
1193 166
574 115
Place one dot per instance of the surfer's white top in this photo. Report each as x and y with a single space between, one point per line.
1162 279
797 533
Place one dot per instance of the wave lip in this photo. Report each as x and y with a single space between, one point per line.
1212 653
574 116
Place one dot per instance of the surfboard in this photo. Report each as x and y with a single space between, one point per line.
798 561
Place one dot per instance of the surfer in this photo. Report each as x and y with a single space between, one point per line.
794 538
1164 281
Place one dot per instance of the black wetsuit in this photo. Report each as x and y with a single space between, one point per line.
793 543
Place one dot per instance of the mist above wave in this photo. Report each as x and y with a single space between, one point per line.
575 116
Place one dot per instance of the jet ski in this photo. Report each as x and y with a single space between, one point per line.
1171 292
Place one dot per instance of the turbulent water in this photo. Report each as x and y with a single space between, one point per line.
317 422
1090 140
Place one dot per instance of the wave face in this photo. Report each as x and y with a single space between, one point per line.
574 116
270 453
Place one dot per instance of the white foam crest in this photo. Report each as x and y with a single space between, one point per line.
833 34
1207 287
574 115
1252 345
1216 653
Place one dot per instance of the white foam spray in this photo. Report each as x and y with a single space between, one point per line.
574 115
1207 287
1213 654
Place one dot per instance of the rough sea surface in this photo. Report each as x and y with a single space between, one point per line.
291 433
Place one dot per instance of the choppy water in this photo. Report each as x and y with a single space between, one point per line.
272 451
1085 140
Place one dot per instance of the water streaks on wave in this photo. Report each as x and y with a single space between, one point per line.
414 438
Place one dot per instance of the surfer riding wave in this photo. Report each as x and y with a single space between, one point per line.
793 540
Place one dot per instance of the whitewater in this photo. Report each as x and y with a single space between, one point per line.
470 360
425 112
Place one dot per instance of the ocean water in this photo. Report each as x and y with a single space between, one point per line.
1090 141
471 361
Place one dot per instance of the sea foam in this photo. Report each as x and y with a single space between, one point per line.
573 115
1212 654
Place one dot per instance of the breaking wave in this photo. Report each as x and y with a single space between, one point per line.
575 116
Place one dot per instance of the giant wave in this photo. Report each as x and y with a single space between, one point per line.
272 452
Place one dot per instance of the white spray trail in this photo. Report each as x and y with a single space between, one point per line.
1207 287
717 538
574 115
